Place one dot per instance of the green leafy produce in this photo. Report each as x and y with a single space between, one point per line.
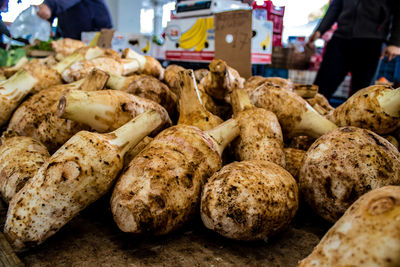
42 45
11 57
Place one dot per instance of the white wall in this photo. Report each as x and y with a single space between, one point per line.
125 15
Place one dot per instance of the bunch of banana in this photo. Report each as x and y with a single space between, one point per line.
196 36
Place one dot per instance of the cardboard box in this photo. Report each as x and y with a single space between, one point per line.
194 39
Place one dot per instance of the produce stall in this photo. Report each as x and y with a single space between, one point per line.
110 158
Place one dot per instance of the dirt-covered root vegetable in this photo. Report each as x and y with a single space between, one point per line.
20 159
260 135
221 79
295 115
81 69
306 90
253 82
36 117
83 53
171 77
392 140
31 78
200 74
146 64
145 86
302 142
249 200
368 234
46 76
10 71
321 104
285 84
344 164
294 159
134 151
106 110
208 101
76 175
66 46
376 108
12 91
191 110
160 190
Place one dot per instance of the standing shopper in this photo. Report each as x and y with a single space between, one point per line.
362 28
76 16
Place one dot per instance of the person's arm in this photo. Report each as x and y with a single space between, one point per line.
393 48
329 19
51 8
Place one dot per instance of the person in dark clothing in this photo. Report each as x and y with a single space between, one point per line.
76 16
3 27
363 26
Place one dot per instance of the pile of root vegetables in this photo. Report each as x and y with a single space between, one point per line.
172 143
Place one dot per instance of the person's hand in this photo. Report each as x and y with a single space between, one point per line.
391 51
44 11
313 38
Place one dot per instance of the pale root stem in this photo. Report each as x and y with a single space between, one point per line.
130 54
78 106
224 133
313 124
390 102
131 133
240 101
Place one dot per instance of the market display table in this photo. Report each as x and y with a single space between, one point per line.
93 239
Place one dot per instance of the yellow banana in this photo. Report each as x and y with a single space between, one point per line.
195 40
189 34
202 40
146 48
95 39
210 23
264 44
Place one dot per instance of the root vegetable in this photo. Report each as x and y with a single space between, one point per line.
221 79
294 159
36 117
20 159
191 110
145 64
12 91
84 53
81 69
321 104
306 90
147 87
260 133
171 77
160 190
106 110
66 46
78 174
200 74
295 115
376 108
344 164
392 140
302 142
249 200
368 234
